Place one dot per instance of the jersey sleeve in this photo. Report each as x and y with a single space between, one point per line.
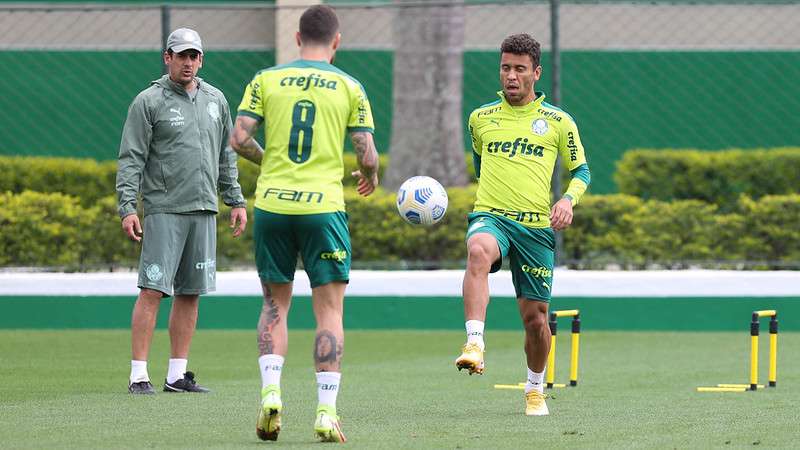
360 112
477 145
252 104
570 147
573 154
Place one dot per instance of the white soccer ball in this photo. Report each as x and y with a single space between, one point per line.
421 201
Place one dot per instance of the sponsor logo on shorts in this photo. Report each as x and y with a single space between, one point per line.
336 255
207 264
542 272
154 272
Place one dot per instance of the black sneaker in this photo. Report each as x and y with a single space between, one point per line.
185 384
141 388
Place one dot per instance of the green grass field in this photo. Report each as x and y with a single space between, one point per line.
67 389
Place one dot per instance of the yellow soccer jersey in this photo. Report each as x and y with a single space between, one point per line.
306 107
515 149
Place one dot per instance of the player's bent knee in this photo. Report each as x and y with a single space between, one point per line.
478 258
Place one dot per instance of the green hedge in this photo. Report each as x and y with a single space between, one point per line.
91 181
715 177
54 230
85 179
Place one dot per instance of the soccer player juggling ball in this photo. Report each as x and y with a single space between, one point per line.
307 107
515 141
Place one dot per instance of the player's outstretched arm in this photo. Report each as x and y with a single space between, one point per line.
367 157
242 140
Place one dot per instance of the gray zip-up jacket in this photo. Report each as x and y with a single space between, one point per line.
174 150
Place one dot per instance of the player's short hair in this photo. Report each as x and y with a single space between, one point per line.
522 44
318 25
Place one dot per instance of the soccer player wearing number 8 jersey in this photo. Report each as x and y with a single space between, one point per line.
306 106
515 141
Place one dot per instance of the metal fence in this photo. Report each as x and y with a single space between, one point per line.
707 74
633 75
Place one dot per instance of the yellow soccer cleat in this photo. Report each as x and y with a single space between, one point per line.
471 359
269 415
535 404
327 425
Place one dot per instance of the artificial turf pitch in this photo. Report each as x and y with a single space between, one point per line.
400 389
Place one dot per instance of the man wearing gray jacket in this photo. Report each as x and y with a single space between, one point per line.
174 152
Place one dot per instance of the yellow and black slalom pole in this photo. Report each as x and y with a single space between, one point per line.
574 350
551 357
576 340
773 351
773 347
754 326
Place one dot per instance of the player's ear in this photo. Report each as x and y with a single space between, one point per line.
297 38
337 40
537 73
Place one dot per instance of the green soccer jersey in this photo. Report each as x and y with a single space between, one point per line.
515 149
306 107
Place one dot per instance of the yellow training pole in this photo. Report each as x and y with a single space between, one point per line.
567 313
573 363
551 357
754 325
721 389
574 349
773 351
551 362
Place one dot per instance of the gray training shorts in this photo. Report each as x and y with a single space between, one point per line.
180 251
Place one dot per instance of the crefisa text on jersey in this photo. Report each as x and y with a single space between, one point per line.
313 80
573 149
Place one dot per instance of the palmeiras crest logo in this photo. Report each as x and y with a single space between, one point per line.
539 127
213 110
154 272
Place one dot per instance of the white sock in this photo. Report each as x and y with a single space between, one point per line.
271 367
328 387
139 371
535 381
475 332
177 367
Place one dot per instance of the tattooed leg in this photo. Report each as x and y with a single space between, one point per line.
329 343
327 352
272 331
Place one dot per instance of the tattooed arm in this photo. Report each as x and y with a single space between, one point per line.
367 157
242 140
